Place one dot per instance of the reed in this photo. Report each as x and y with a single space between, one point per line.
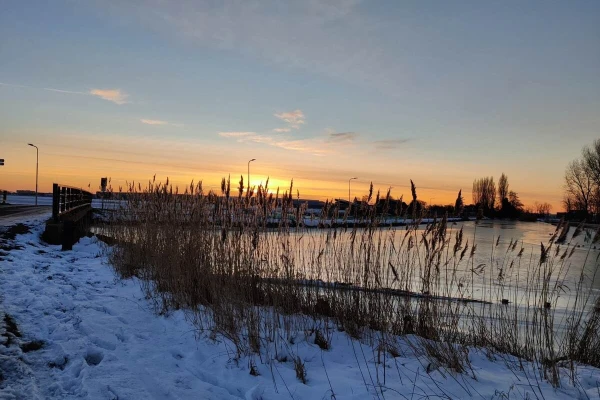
243 266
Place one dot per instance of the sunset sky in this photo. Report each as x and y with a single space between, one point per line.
441 92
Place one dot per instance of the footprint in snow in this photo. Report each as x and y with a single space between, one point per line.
105 344
121 336
94 357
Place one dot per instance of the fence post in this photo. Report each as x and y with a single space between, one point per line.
68 235
55 201
63 197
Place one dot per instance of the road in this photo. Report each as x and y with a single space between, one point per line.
12 214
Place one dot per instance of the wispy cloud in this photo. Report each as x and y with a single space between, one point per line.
114 95
293 118
342 137
281 130
64 91
45 88
311 146
388 144
117 96
305 146
153 122
236 134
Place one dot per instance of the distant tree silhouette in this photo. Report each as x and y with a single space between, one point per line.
484 194
514 200
502 188
591 162
459 204
582 183
511 206
542 208
579 186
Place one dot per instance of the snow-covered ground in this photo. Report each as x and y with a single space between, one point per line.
101 340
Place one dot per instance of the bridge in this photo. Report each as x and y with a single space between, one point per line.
71 215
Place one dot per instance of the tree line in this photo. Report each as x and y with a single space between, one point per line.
498 201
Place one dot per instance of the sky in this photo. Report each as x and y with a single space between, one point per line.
316 91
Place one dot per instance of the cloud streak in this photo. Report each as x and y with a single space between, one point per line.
236 134
155 122
342 137
389 144
310 146
45 88
114 95
293 118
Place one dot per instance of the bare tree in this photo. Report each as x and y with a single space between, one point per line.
542 208
502 188
579 185
591 161
484 193
568 203
513 199
595 201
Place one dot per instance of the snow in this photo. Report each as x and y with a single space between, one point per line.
102 340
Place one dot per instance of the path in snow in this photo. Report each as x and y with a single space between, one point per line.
102 341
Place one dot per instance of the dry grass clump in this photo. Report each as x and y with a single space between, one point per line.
247 269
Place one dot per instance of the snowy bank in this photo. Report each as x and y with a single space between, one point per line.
102 340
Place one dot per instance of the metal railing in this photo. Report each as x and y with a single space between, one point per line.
67 198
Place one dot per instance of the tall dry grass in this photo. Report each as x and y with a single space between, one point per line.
243 266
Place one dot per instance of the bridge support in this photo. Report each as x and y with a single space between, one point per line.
68 231
71 216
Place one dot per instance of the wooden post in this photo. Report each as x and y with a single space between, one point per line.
68 235
55 201
63 196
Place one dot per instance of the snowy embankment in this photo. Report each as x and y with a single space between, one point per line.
101 340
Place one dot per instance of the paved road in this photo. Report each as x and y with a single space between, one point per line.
12 214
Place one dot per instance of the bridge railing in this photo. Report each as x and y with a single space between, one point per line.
68 198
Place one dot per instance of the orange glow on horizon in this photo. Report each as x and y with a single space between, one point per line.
94 158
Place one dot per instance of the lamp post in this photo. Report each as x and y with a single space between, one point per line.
37 157
349 189
254 159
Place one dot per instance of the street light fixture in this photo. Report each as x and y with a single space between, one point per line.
254 159
37 157
349 189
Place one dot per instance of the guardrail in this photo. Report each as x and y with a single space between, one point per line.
67 198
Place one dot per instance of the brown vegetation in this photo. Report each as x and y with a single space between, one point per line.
215 256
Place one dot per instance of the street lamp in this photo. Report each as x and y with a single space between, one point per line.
349 189
254 159
37 157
